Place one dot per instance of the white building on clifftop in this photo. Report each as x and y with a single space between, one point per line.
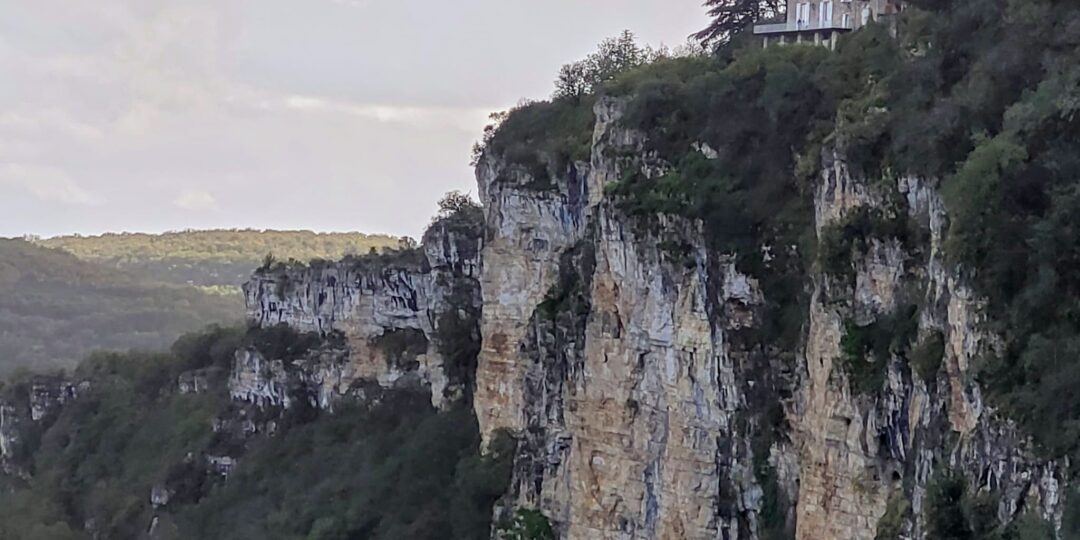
822 21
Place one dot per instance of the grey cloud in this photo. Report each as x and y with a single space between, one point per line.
324 114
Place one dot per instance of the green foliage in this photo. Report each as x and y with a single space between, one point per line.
843 244
458 334
613 56
981 94
460 213
283 342
733 127
543 138
866 61
570 294
891 525
397 469
1016 231
733 17
952 512
1070 523
460 218
97 461
1031 527
402 347
56 309
526 524
928 355
945 517
400 470
741 187
773 517
212 258
866 350
678 252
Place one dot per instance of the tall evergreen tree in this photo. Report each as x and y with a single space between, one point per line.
733 16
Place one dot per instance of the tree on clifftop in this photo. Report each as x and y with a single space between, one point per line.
613 56
733 16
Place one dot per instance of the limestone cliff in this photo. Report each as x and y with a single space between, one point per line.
857 452
628 358
659 387
394 312
616 352
642 371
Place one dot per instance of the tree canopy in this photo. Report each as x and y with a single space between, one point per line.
733 16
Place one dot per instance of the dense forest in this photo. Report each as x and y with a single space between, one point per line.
55 309
390 469
216 258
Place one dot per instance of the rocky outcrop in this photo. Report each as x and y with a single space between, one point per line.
856 452
26 408
618 356
388 308
636 368
642 371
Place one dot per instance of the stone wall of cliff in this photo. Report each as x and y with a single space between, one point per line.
649 407
620 363
808 375
637 367
401 315
857 452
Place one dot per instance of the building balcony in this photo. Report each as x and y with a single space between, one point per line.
796 27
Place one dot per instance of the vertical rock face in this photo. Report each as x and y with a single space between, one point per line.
616 361
640 370
528 228
387 308
857 452
627 358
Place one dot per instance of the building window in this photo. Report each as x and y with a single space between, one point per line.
866 15
845 20
826 14
802 14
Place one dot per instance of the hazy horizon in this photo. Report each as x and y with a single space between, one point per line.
329 115
191 230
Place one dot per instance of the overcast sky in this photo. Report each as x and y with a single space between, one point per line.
153 115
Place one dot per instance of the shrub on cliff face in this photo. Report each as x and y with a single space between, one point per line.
891 525
463 219
460 213
867 350
928 355
526 525
953 512
569 295
281 342
458 335
402 347
945 518
541 138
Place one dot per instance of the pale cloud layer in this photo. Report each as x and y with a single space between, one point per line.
199 201
150 115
